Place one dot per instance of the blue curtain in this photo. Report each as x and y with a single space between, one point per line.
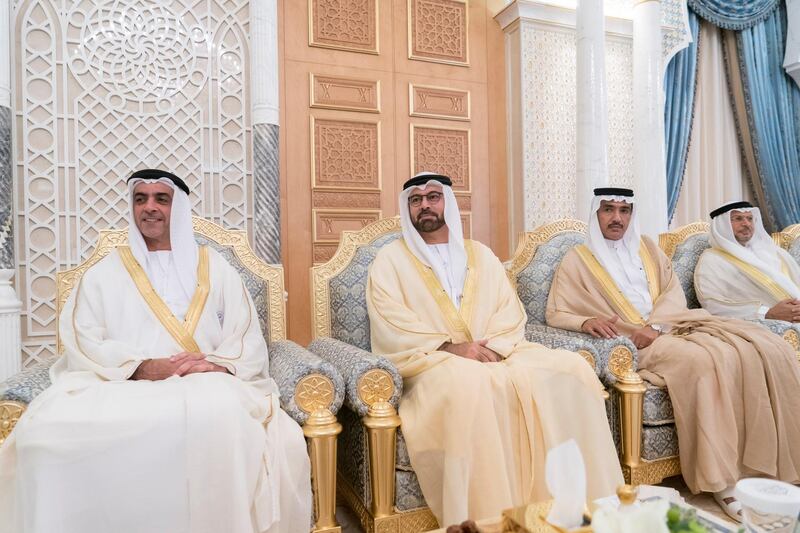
680 83
772 102
734 14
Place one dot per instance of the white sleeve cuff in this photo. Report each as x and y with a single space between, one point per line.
762 312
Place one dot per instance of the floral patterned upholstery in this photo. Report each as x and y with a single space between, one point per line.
794 250
26 385
659 442
348 289
533 283
657 407
289 362
574 341
353 363
684 262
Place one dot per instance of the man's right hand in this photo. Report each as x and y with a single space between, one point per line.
177 365
601 327
472 350
155 369
787 310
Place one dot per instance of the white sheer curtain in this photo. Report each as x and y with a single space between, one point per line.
714 172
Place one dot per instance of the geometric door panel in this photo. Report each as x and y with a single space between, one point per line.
102 88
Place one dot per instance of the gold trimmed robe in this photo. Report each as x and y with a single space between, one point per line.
477 433
733 384
205 453
725 287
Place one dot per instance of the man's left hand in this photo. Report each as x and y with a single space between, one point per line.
644 337
194 363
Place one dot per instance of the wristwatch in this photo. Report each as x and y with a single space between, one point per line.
658 328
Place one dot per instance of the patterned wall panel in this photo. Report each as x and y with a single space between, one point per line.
444 151
346 180
347 94
619 79
548 104
344 24
329 224
438 31
346 154
439 102
104 87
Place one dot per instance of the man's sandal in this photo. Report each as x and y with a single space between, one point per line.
729 504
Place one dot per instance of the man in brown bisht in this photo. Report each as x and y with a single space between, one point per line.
734 386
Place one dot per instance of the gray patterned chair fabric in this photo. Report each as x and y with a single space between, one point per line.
289 362
684 262
342 337
532 269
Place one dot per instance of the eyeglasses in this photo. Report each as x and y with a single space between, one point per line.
432 197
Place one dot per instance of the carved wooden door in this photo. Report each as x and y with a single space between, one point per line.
374 91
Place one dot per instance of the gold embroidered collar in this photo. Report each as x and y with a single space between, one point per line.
458 319
613 294
182 332
756 275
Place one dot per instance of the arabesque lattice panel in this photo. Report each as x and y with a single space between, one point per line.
104 87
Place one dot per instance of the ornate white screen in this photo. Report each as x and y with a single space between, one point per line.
104 87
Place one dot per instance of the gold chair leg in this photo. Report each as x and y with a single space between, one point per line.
321 430
631 390
382 423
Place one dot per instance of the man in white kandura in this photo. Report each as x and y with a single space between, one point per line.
745 274
481 405
162 416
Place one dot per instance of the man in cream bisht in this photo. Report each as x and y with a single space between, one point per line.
481 406
745 274
162 416
733 384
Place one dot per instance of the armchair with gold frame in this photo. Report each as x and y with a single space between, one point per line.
311 389
375 477
640 414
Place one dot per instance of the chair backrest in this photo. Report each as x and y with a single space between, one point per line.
684 247
338 287
263 281
789 241
538 255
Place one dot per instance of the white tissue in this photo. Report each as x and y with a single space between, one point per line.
566 480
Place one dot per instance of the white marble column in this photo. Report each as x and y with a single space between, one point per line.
10 340
591 155
266 165
10 306
649 164
791 61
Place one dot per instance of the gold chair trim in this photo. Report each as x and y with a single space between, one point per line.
10 413
411 521
587 355
670 241
321 275
787 236
375 386
652 472
314 392
530 241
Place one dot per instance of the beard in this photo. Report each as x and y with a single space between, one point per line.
428 225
